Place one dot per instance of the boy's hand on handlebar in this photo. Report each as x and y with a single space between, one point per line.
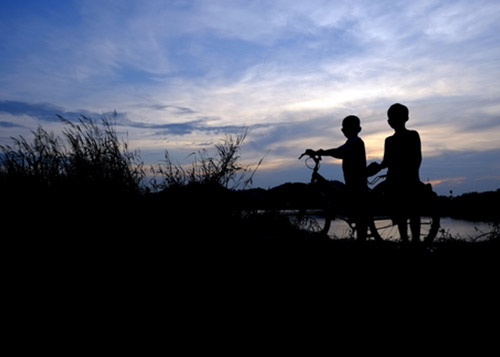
308 152
373 169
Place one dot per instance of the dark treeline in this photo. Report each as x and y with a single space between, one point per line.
484 206
474 206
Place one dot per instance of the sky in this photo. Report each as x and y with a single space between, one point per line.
182 74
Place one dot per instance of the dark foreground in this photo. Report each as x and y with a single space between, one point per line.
199 241
189 270
206 228
249 243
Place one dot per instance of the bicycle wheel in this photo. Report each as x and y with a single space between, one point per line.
387 229
312 221
427 208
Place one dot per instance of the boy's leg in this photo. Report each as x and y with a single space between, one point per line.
415 228
403 229
361 229
359 211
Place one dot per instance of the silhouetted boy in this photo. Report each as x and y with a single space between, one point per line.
353 156
402 158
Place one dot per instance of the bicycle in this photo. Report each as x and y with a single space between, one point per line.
330 204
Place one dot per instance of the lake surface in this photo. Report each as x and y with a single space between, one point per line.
450 228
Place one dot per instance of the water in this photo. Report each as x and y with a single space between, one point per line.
464 229
454 228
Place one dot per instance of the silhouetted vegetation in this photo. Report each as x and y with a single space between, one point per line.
82 182
89 158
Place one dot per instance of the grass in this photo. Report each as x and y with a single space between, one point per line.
89 159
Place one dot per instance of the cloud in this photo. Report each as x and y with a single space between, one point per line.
190 127
463 171
45 112
447 180
50 113
460 21
166 129
6 124
177 109
352 44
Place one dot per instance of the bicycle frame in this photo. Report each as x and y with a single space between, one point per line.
316 179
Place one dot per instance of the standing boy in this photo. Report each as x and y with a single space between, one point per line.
402 158
353 156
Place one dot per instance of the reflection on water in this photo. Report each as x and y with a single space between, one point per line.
450 227
464 229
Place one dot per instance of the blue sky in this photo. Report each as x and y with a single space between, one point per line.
182 74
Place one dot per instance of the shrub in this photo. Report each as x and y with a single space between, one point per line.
223 168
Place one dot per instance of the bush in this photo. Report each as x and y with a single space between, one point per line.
222 169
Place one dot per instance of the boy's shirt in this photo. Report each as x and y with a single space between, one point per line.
402 157
353 157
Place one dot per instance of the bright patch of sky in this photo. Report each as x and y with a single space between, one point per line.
183 73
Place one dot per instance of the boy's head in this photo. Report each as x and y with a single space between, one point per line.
398 115
351 126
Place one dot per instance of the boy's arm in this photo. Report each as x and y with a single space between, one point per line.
383 164
374 168
418 149
337 153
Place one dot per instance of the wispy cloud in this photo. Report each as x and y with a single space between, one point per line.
185 128
448 180
42 111
7 124
45 112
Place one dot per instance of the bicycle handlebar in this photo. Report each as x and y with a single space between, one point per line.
302 155
315 157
